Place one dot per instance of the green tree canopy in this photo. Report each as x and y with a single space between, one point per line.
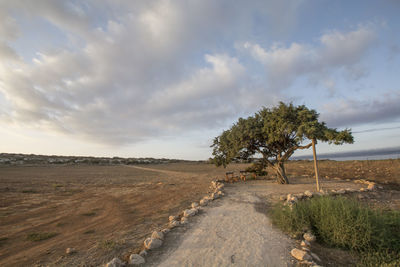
274 134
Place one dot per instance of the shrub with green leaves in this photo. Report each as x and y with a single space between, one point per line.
345 223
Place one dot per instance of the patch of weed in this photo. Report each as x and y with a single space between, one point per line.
345 223
40 236
108 244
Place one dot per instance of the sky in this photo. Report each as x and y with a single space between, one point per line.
163 78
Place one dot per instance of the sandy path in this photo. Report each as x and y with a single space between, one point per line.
231 232
234 230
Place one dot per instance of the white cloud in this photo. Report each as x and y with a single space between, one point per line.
335 51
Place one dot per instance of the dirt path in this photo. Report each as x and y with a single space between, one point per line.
233 231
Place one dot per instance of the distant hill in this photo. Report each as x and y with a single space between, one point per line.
29 159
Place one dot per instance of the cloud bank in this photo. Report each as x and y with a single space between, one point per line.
144 69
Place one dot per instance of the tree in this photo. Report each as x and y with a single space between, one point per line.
274 134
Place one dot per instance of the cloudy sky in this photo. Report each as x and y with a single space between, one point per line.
162 78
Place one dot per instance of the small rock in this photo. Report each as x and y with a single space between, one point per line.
308 193
305 243
315 256
371 186
363 189
184 220
204 202
340 191
173 224
152 243
136 259
188 213
309 237
282 198
70 251
172 218
165 231
300 254
305 249
289 196
195 205
115 263
158 235
300 196
143 253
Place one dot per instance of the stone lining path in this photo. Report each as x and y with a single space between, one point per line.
234 230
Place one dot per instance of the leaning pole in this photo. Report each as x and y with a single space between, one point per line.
315 162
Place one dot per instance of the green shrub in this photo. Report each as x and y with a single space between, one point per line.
344 223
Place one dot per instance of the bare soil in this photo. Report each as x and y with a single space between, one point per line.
100 211
107 211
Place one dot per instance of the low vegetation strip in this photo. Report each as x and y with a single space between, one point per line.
345 223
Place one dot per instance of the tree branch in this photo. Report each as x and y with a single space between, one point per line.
291 151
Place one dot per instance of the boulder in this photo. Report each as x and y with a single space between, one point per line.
300 254
308 193
136 259
115 263
309 237
158 235
152 243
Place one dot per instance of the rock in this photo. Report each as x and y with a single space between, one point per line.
309 237
308 193
362 189
184 220
195 205
70 251
305 249
188 213
172 218
220 186
371 186
300 196
213 196
173 224
158 235
204 202
340 191
315 256
143 253
289 196
115 263
220 193
136 259
165 231
282 198
305 243
152 243
214 184
300 254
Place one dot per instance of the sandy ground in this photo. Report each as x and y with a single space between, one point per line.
235 230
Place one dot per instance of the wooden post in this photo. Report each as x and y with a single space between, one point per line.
315 162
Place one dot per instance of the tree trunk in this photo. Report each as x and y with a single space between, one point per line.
280 173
